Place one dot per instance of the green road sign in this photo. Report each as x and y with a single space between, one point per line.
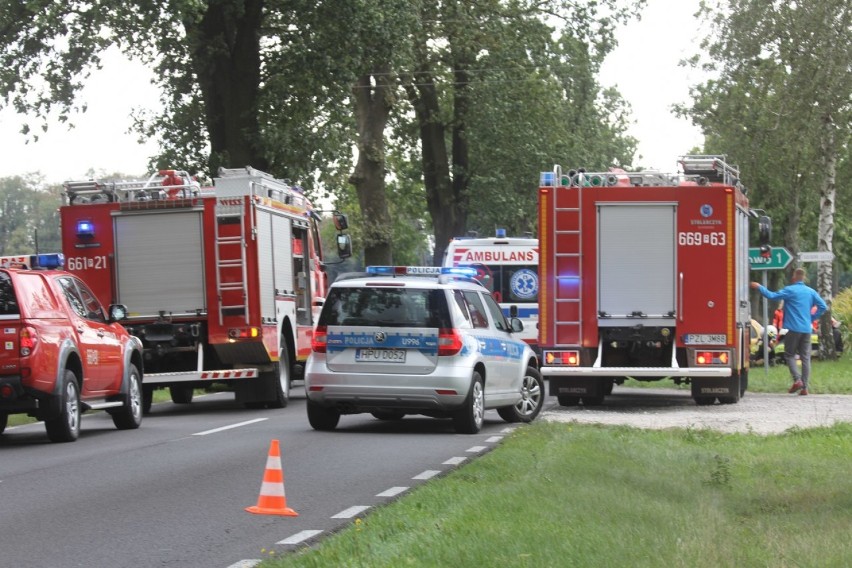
779 258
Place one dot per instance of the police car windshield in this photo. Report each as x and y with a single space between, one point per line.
397 307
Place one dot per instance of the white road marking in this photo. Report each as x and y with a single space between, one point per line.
454 461
392 491
246 563
508 430
428 474
350 512
299 537
475 449
246 423
494 439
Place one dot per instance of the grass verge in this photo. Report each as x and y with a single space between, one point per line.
565 495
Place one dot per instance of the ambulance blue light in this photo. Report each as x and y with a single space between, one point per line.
49 261
501 233
85 229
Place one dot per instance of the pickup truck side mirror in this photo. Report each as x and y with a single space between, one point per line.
117 312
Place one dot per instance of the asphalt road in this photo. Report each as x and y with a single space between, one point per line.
174 492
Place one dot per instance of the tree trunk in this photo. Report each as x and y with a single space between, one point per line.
373 103
825 234
225 51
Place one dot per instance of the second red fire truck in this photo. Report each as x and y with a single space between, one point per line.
645 275
222 284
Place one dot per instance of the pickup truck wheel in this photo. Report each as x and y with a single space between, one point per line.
281 376
468 419
532 399
129 416
4 419
181 394
66 426
322 418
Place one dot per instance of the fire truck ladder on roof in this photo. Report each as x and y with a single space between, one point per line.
568 246
230 214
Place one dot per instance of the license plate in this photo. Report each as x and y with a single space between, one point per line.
364 355
706 339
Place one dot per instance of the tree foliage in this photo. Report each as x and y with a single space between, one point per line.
781 105
29 218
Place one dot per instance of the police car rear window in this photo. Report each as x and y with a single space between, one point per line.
386 307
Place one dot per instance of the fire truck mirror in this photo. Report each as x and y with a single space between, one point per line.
344 246
764 230
340 222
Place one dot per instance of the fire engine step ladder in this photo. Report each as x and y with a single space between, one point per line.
568 246
230 213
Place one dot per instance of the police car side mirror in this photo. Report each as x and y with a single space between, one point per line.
517 324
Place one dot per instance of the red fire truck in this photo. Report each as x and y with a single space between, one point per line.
644 275
222 284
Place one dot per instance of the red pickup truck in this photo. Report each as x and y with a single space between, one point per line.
62 354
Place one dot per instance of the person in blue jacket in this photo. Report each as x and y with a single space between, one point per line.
799 315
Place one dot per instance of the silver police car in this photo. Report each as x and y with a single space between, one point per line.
419 340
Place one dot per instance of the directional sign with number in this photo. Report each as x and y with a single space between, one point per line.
779 258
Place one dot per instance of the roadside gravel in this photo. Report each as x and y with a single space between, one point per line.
757 413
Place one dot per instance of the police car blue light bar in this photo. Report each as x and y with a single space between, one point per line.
420 271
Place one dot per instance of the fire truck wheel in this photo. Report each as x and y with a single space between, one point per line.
181 394
4 419
532 399
65 427
593 400
147 399
743 383
281 376
704 400
129 415
322 418
568 400
468 419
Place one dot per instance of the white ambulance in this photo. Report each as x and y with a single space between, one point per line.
508 267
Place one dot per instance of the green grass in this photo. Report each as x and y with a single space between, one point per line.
564 495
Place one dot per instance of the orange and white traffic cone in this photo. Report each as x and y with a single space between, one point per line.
272 500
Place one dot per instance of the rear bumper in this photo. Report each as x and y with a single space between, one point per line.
19 400
691 372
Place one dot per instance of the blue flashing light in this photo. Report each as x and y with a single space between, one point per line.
420 271
501 233
547 179
466 271
85 228
48 261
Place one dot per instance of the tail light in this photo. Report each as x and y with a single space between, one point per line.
449 342
27 341
563 358
711 357
319 340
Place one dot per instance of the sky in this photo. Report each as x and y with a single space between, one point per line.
644 68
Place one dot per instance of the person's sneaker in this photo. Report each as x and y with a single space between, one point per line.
803 392
798 385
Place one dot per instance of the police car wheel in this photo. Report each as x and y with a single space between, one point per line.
322 418
532 399
468 419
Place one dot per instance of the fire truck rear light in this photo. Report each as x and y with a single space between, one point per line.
319 340
244 332
712 357
564 358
